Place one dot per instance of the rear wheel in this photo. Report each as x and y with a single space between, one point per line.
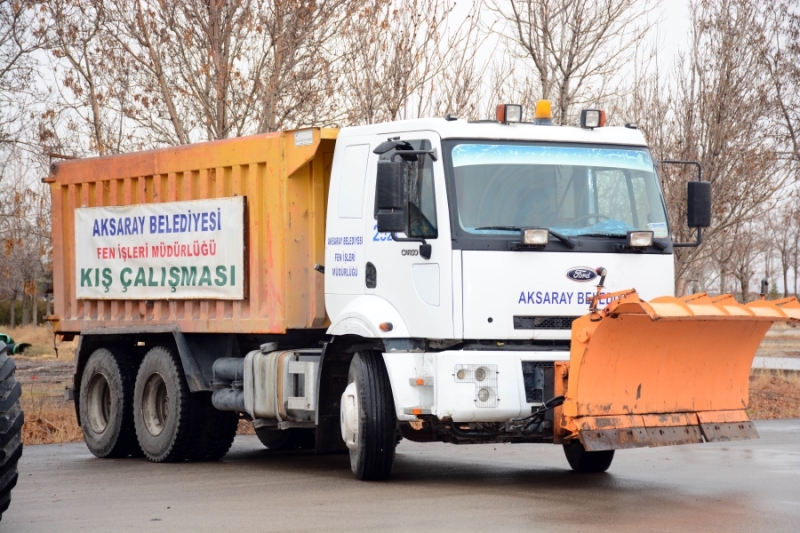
582 461
368 420
215 429
11 420
106 404
166 414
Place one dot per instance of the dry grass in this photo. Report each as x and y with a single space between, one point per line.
42 343
48 418
774 394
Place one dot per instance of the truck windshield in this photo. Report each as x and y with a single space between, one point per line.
573 190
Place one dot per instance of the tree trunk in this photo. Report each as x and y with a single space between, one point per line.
24 310
34 310
14 310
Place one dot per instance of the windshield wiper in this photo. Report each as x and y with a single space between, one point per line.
563 238
614 235
500 228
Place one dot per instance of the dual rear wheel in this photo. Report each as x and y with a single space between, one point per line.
133 409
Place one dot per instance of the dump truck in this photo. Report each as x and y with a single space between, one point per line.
438 280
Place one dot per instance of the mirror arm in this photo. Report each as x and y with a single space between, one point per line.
694 244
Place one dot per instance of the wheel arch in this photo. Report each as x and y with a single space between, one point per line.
331 382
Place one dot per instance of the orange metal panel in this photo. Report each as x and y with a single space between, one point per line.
286 189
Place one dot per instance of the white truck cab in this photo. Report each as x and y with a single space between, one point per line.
472 317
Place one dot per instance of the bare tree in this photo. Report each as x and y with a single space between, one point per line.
133 74
577 48
408 58
714 109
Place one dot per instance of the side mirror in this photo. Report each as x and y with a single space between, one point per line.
698 203
389 197
698 208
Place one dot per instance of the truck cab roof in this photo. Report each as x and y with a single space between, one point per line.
524 131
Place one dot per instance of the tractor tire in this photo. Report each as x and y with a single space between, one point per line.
106 404
215 430
166 414
368 418
582 461
11 420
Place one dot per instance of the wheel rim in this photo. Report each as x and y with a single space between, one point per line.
155 404
99 403
348 416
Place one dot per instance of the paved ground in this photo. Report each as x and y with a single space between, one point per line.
731 487
777 363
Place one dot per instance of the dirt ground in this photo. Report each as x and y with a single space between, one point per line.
49 418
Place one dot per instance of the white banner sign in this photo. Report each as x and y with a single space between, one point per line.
174 250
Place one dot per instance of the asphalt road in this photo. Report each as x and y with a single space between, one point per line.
726 487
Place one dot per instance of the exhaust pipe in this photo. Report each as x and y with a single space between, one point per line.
228 369
228 400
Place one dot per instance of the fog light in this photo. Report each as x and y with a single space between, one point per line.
484 394
480 374
640 239
535 236
461 374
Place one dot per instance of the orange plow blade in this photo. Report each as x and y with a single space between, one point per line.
667 371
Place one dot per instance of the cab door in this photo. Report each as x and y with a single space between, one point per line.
420 289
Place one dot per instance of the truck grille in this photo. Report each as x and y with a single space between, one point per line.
543 322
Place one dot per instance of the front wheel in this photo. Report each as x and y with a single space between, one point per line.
582 461
368 419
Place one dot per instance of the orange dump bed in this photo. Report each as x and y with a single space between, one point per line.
283 178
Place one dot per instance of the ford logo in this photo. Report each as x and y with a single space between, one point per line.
581 274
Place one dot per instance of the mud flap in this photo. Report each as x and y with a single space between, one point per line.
669 371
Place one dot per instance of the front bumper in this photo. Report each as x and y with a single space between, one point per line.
470 385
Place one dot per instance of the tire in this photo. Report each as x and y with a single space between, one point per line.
582 461
11 420
106 404
215 430
166 414
286 439
368 419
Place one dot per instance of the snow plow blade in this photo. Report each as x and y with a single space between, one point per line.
668 371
